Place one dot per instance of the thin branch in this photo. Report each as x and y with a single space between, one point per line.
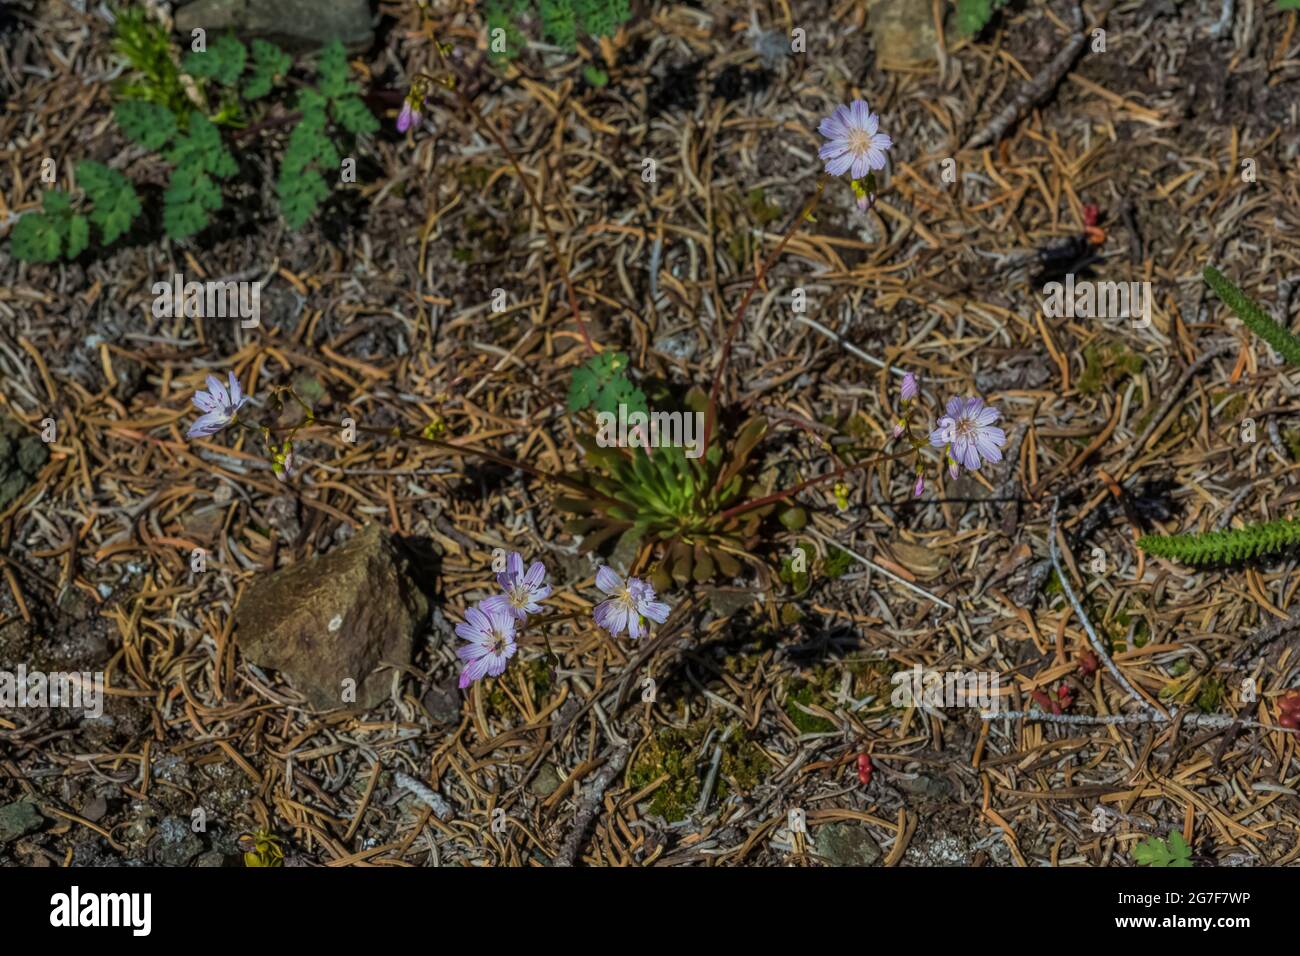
1083 617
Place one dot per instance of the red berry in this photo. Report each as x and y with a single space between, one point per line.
864 769
1290 721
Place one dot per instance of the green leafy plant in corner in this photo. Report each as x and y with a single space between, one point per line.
974 15
1157 852
57 230
226 72
1237 544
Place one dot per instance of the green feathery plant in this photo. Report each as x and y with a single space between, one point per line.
145 45
1238 544
1224 547
560 22
154 111
58 230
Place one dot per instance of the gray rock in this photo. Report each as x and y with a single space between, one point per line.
333 618
177 843
847 844
22 456
297 24
443 701
942 849
19 819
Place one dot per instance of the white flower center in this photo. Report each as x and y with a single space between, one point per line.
859 141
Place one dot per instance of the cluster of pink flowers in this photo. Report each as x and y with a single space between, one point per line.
966 433
492 624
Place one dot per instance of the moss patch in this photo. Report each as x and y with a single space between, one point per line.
676 752
22 456
538 675
1107 365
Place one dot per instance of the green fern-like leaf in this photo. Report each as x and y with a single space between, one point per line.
559 23
192 195
345 104
974 15
601 382
1255 318
78 236
334 78
222 61
115 201
146 123
55 230
270 64
301 187
1224 547
602 18
1154 851
501 18
36 238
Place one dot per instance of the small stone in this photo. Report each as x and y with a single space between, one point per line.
283 621
902 31
22 456
18 819
94 808
920 560
847 844
296 24
547 781
211 858
177 843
